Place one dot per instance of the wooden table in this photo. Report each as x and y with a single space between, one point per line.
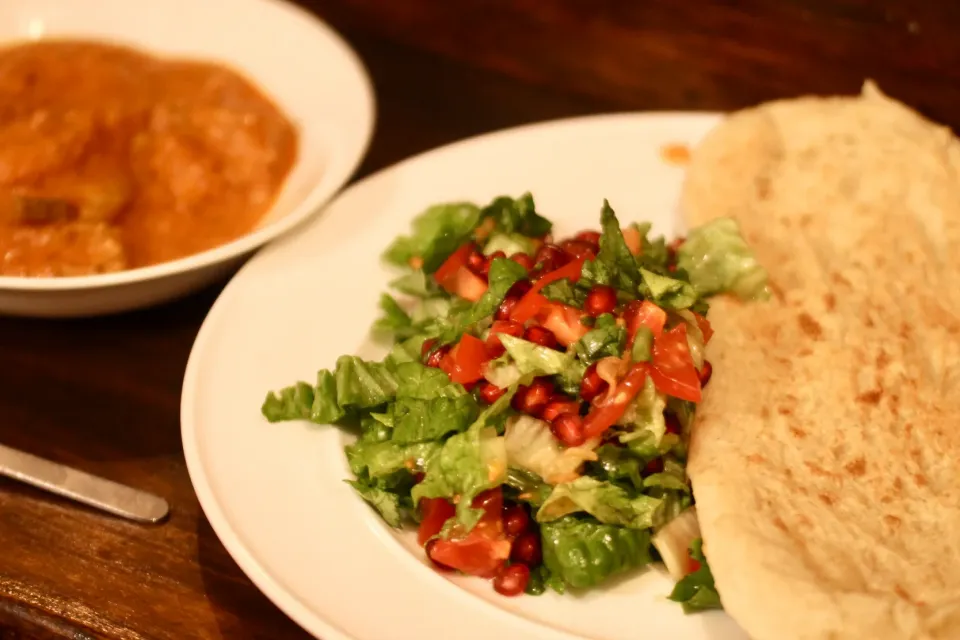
104 394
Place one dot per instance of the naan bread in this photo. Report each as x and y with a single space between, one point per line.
825 459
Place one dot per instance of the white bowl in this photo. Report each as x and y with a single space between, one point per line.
299 61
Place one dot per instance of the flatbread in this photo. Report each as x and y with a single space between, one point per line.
825 459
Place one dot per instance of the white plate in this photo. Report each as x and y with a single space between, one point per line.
299 61
275 493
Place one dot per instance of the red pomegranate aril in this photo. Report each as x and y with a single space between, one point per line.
541 336
490 392
591 237
506 308
550 257
519 289
673 425
568 428
515 520
705 373
512 580
523 259
579 249
558 405
418 477
654 466
475 260
592 385
534 398
526 549
433 360
438 565
601 299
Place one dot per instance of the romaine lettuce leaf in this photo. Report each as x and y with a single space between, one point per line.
534 359
666 292
531 446
606 338
697 591
643 423
617 464
503 274
517 216
393 319
291 403
417 420
614 265
718 260
378 459
526 486
565 292
607 502
417 284
385 502
436 233
415 380
509 243
582 553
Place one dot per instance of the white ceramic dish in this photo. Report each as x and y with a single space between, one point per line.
275 493
298 60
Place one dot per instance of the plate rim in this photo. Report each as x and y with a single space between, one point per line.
281 597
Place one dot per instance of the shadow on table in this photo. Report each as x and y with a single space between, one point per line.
242 611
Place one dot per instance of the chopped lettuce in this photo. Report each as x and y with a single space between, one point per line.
526 486
642 349
385 502
643 424
607 502
718 260
416 283
666 292
436 233
606 338
415 380
582 553
532 447
614 265
503 274
292 403
516 215
618 464
697 591
417 420
378 459
509 244
534 359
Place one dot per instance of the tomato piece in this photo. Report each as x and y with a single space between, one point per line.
644 314
673 371
465 362
482 551
466 284
704 325
494 346
434 514
612 407
453 263
531 303
631 235
564 321
693 565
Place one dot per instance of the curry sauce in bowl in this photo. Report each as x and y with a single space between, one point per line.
144 154
112 159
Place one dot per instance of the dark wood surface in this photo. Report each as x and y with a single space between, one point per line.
103 394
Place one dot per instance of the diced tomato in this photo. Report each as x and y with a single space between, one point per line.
673 371
465 362
705 327
564 321
482 551
631 235
494 346
693 566
435 512
612 407
644 314
452 264
466 284
532 301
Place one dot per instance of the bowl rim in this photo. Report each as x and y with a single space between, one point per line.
311 204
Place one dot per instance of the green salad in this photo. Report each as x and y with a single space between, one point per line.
531 416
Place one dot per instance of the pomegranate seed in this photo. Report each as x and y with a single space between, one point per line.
526 549
673 425
427 345
654 466
591 237
506 308
523 259
433 360
568 428
519 289
418 477
475 260
512 580
494 345
541 336
550 257
579 249
592 384
490 392
705 373
534 398
515 520
439 565
601 299
559 404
